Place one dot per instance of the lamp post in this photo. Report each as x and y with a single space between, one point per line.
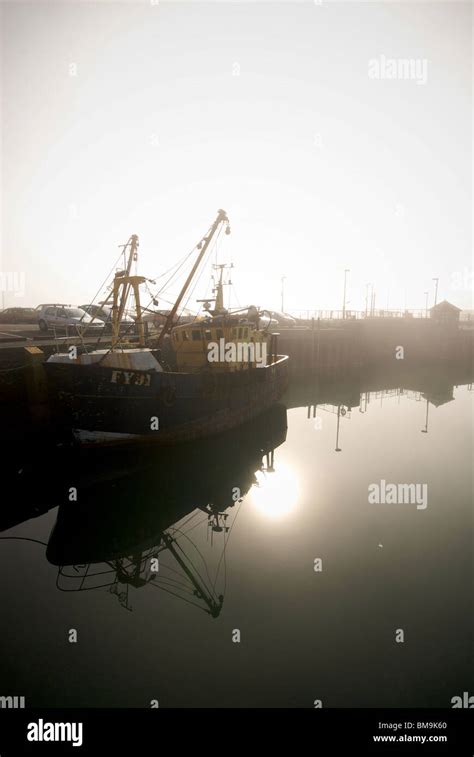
346 271
338 449
425 429
282 293
367 298
426 304
436 290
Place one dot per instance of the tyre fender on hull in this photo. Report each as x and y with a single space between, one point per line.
209 385
168 393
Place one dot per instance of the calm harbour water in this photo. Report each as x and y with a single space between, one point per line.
305 634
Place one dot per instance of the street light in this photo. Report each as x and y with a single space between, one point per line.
282 293
436 290
425 429
346 271
426 304
367 298
338 448
372 302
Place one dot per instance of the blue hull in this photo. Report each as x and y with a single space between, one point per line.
102 405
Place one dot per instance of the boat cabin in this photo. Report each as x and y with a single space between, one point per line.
222 344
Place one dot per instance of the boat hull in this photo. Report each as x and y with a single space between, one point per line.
103 405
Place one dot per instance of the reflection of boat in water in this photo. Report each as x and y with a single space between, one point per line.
128 522
203 378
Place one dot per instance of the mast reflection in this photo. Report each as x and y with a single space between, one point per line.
156 527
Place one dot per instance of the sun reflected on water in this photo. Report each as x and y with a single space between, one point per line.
275 495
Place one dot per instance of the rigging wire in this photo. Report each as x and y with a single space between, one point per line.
162 588
151 301
175 273
223 556
179 264
191 292
110 272
235 295
191 562
200 522
204 262
182 586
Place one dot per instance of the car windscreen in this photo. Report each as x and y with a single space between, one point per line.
75 313
94 310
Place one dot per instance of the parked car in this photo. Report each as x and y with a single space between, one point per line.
103 314
66 318
18 315
157 318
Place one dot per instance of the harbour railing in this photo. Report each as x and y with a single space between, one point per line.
352 315
338 317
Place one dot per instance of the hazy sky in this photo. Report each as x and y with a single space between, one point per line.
122 118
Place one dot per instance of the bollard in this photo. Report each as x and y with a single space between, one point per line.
36 385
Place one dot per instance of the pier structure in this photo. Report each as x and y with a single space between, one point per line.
327 346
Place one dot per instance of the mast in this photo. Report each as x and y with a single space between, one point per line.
203 245
123 282
219 290
200 590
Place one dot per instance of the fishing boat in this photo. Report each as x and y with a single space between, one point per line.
194 380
